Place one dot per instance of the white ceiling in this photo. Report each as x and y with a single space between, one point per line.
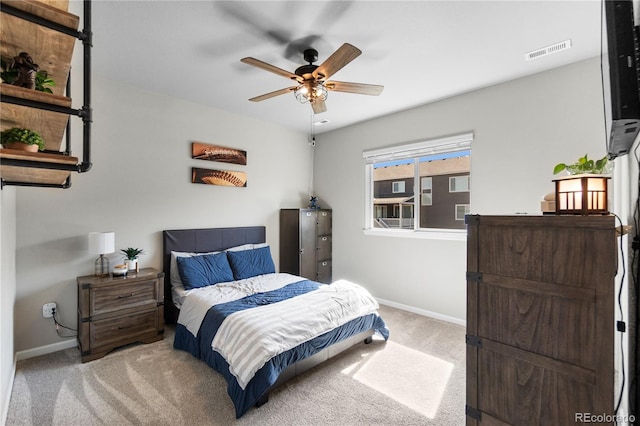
421 51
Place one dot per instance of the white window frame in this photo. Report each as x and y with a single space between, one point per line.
399 183
430 189
455 211
455 178
461 142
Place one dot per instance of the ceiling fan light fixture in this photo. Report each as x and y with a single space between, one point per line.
311 92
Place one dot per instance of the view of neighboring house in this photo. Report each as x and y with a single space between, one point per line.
443 188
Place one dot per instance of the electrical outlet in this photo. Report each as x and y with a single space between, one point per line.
47 309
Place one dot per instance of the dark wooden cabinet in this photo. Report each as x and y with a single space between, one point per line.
540 319
305 243
116 311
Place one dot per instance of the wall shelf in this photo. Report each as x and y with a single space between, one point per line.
48 34
25 172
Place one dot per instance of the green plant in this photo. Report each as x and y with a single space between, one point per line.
132 253
26 136
43 82
583 165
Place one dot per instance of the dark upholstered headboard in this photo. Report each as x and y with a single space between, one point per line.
200 241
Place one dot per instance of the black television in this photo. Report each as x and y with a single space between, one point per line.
622 97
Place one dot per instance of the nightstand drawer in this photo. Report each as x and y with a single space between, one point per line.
114 331
120 297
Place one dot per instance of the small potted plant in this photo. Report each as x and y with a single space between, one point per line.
22 139
131 256
584 165
43 82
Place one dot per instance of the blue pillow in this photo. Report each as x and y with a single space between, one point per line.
249 263
201 271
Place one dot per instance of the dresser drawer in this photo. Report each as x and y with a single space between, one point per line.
324 272
119 297
118 331
323 247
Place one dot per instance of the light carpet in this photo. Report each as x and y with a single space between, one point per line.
416 378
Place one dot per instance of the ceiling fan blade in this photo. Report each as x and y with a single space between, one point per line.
338 59
273 94
318 106
359 88
268 67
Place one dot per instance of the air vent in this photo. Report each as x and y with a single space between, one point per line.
554 48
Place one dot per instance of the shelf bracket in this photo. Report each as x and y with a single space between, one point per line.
86 113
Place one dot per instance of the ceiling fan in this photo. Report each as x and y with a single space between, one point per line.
311 80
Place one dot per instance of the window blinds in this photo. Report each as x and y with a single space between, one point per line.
455 143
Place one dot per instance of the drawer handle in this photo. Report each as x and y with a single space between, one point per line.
324 263
324 238
324 213
126 295
122 327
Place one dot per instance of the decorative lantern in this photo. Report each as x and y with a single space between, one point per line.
583 194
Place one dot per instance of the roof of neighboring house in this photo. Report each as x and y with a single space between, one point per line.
427 168
393 200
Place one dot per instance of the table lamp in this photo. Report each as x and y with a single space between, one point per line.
102 243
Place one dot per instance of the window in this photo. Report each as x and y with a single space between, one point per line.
398 186
459 184
425 191
461 211
422 187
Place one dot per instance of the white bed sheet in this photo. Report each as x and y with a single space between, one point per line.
247 339
196 302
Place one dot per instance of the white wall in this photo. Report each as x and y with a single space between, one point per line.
7 294
522 129
141 184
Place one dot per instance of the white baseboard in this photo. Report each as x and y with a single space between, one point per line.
47 349
423 312
5 404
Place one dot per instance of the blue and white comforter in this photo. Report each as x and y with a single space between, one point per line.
251 330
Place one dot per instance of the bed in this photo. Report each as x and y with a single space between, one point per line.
221 324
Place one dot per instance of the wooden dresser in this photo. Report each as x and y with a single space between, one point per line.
540 319
116 311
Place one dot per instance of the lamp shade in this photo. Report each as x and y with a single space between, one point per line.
102 242
582 194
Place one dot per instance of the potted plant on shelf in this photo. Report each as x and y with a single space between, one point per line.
585 190
584 165
43 82
22 139
131 256
21 71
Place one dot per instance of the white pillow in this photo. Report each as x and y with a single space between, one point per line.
247 247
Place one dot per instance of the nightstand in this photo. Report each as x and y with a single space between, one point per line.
116 311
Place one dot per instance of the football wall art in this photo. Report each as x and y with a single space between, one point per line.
203 151
218 177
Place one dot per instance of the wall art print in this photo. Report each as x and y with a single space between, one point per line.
218 177
204 151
